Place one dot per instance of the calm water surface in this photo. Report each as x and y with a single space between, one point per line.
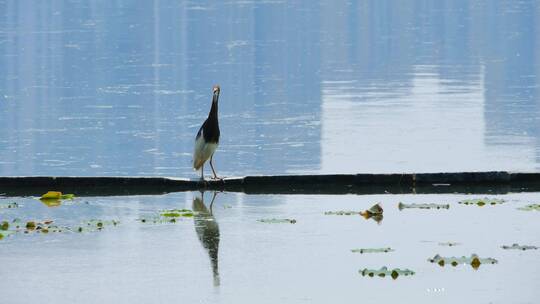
121 87
231 257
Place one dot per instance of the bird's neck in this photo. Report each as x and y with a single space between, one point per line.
214 109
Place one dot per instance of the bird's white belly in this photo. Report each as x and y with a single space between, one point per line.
202 152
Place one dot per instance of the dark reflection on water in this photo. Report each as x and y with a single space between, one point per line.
120 88
208 232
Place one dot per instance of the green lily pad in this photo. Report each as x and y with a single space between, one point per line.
372 250
531 207
166 216
277 221
384 272
177 213
402 206
473 260
519 247
482 201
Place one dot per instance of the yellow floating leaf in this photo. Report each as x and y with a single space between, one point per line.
52 195
51 202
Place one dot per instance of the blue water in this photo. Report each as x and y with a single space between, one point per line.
309 261
121 87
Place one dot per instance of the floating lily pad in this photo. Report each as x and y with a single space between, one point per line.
532 207
402 206
343 212
167 216
473 260
449 244
519 247
277 221
372 250
177 213
9 205
384 272
482 201
4 225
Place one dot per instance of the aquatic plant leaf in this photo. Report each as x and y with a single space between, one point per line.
277 221
519 247
67 196
531 207
167 216
342 212
375 209
473 260
402 206
384 271
372 250
4 225
52 195
449 244
177 213
482 201
5 233
51 202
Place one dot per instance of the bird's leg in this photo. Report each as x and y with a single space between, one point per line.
212 202
212 166
202 173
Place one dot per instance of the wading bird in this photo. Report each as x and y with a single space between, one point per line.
207 138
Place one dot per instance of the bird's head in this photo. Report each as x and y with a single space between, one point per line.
216 90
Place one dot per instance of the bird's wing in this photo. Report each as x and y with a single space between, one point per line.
200 133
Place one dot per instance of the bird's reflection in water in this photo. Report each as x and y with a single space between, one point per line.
208 231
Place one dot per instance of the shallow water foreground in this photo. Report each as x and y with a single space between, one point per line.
272 248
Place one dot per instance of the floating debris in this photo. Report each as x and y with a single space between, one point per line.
532 207
277 221
167 216
372 250
482 201
519 247
342 212
473 260
402 206
9 205
384 271
449 244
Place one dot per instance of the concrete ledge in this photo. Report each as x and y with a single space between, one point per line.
459 182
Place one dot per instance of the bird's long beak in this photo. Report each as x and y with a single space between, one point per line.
216 94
